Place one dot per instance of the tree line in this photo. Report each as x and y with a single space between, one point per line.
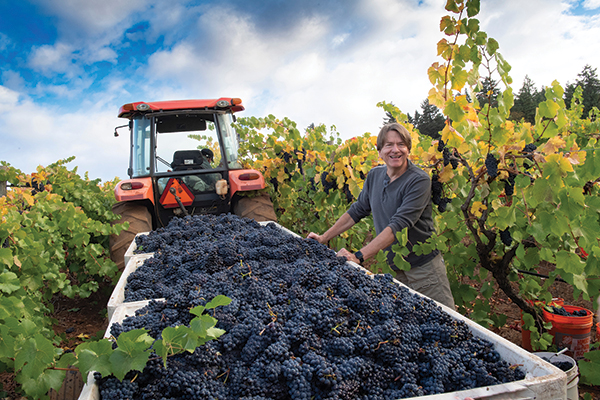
430 121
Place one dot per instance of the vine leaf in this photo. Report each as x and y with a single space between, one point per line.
94 356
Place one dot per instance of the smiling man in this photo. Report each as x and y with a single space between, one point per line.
398 194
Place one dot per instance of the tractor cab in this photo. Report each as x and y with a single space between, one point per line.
184 158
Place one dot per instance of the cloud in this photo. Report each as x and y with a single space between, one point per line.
33 135
48 59
527 43
591 4
91 18
5 42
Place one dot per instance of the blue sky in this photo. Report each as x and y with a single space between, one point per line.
68 65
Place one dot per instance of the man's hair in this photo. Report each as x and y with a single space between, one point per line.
207 153
394 126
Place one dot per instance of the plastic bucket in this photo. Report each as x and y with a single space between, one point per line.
572 373
571 332
525 334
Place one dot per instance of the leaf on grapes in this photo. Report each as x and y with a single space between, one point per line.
134 341
94 356
202 323
219 300
122 362
214 333
179 338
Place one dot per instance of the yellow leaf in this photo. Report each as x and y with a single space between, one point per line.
477 209
552 145
446 174
563 164
16 261
28 198
436 98
451 137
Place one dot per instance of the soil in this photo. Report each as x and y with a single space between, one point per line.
81 319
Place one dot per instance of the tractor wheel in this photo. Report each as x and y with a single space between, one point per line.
139 219
259 208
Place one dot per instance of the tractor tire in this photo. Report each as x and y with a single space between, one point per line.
259 208
140 220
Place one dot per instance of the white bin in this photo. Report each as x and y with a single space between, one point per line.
118 295
543 381
132 246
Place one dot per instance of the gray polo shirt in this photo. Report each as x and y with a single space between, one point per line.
405 202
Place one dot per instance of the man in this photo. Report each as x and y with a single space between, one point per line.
398 194
208 158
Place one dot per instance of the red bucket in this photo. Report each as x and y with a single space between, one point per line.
525 334
570 331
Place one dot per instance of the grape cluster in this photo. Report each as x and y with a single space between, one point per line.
509 184
565 313
492 165
302 324
563 365
506 237
528 150
327 184
437 197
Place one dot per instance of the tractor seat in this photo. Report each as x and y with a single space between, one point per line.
187 159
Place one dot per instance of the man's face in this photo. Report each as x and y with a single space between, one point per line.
394 152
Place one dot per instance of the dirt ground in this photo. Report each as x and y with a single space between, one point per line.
79 319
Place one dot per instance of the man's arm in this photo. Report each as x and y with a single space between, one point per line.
380 242
344 223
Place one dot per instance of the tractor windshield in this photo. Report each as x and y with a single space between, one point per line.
230 140
140 147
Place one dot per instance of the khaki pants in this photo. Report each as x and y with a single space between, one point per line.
429 279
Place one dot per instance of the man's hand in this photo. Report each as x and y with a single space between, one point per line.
318 238
349 256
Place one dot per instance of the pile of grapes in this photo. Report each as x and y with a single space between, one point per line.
302 324
565 313
563 365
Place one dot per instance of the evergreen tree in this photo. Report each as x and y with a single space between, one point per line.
431 121
488 93
589 82
389 118
526 102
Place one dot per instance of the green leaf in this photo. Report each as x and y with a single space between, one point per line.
473 7
219 300
9 282
589 368
132 352
6 257
95 356
202 323
492 46
123 362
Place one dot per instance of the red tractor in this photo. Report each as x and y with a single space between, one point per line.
170 174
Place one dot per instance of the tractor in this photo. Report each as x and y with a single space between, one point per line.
171 175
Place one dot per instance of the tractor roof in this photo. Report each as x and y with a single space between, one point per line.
224 103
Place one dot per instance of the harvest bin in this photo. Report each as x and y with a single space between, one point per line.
543 380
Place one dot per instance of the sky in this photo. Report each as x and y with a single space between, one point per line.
66 66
